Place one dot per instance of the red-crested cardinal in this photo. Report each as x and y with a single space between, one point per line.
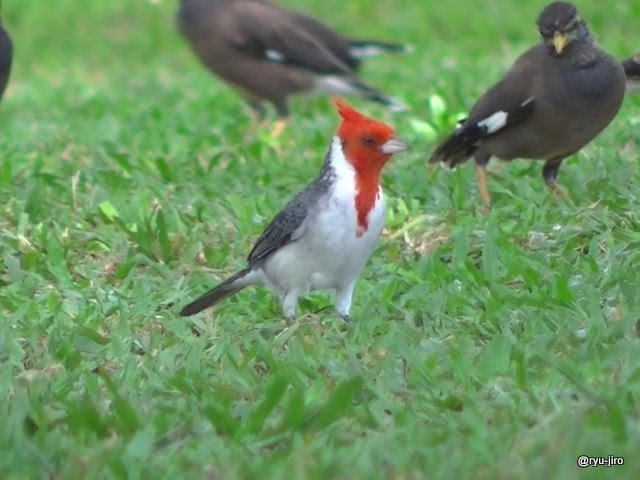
325 235
268 53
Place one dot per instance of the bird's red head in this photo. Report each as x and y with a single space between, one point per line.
367 145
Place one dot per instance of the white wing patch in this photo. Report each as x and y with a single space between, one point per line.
274 55
334 84
366 51
498 120
494 122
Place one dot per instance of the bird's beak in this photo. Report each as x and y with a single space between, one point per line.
559 41
394 145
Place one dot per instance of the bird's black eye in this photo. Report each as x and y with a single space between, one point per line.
368 141
573 24
544 32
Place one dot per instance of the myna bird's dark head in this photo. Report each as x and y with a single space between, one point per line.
560 25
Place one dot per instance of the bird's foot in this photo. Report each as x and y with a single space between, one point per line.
556 191
345 317
278 128
249 133
431 169
481 181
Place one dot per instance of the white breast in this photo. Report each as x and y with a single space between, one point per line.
329 253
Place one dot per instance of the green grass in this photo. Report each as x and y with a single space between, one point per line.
482 347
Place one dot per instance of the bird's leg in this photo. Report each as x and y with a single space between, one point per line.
257 113
289 302
278 127
431 169
343 300
283 115
549 174
481 181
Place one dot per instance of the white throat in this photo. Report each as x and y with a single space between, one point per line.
341 166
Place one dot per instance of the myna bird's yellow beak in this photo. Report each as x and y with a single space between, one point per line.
559 41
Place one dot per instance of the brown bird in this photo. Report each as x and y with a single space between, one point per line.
555 99
6 55
268 53
632 70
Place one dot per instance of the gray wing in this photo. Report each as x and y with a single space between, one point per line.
290 223
286 227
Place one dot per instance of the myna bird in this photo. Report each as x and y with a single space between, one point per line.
322 238
268 53
632 71
555 99
6 54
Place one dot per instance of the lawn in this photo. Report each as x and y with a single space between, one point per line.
482 346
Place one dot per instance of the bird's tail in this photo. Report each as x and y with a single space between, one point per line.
632 66
459 146
463 142
632 71
230 286
377 96
371 48
350 85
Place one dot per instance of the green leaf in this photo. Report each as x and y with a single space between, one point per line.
108 210
294 413
127 418
423 129
460 247
490 251
437 106
561 288
6 172
272 396
164 169
221 420
56 261
495 356
91 335
337 406
163 236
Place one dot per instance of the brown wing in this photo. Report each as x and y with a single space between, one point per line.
265 31
507 103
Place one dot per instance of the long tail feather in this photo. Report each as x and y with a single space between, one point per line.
632 71
370 48
350 85
459 146
375 95
227 288
463 142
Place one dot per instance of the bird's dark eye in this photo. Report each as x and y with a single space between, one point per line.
572 25
368 141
